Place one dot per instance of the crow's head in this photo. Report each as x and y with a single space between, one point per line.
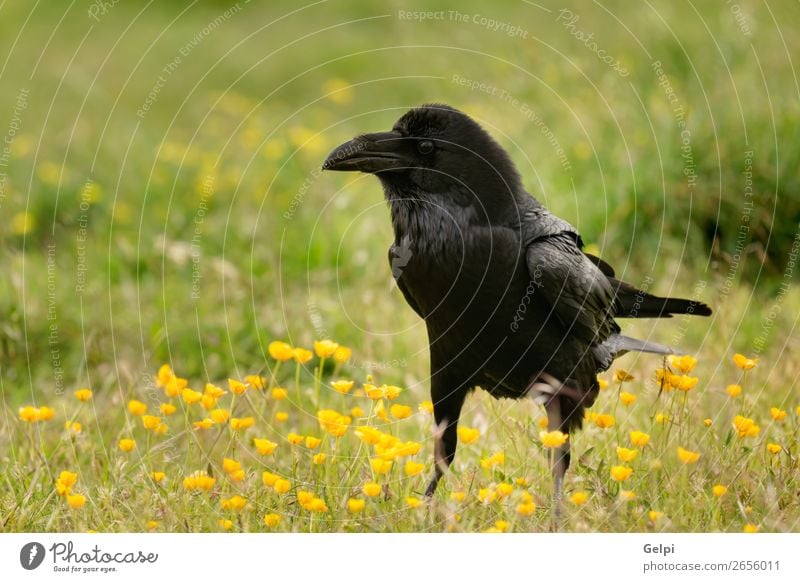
433 150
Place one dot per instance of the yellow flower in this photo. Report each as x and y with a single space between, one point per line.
230 465
708 422
301 355
66 480
264 446
744 363
282 485
504 489
603 384
151 422
623 376
220 415
413 502
127 445
526 508
269 479
579 498
76 501
733 390
412 468
84 394
553 439
750 527
294 438
374 392
167 409
372 489
235 503
175 386
46 413
333 423
777 414
242 423
604 421
719 490
627 398
380 466
254 381
312 442
279 393
237 387
199 481
655 515
687 457
22 223
368 434
774 448
29 414
639 438
626 495
319 458
620 473
626 455
73 426
392 392
458 496
342 354
683 363
543 423
213 391
272 520
137 408
467 435
316 504
683 383
407 448
487 495
401 411
745 427
280 351
426 406
165 374
281 416
662 418
497 458
521 481
204 424
158 476
152 525
355 505
191 396
208 402
225 524
325 348
356 412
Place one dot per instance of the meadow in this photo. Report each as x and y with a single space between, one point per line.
174 260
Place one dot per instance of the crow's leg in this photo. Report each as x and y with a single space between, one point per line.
448 397
560 456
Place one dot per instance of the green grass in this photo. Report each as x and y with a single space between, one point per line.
253 111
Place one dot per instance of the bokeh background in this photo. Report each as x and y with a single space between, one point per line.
161 199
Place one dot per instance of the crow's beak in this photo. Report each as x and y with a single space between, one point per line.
372 152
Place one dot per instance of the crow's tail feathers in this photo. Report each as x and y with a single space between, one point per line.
633 302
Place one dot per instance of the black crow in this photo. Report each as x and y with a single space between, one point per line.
510 300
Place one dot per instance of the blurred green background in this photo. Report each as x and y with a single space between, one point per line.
162 201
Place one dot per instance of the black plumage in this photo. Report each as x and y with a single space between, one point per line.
510 300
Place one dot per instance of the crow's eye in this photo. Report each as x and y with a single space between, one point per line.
425 146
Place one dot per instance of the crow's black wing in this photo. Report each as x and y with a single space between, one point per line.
578 293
